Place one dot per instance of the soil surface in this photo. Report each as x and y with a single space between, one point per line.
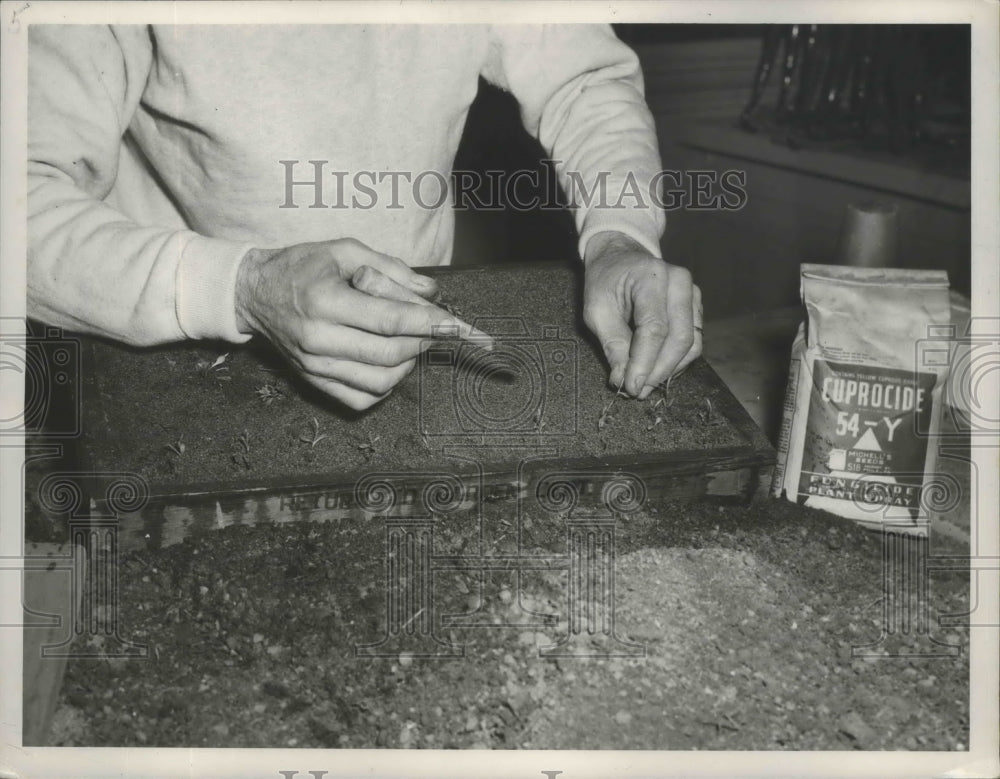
766 626
733 629
183 415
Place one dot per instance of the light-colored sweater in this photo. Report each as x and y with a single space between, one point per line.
154 152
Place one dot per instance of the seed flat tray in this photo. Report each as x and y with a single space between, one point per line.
183 439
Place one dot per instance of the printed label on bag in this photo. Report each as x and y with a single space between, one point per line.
861 429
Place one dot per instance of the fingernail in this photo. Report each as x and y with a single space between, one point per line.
640 381
616 379
646 390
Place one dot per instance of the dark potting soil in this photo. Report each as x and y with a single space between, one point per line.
744 618
735 624
183 416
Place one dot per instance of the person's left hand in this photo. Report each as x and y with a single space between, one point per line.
645 312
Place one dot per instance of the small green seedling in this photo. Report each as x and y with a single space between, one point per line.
314 437
455 311
659 406
215 369
177 447
606 415
368 447
268 393
706 415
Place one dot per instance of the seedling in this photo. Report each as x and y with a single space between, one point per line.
455 311
606 415
242 455
706 415
314 437
177 447
268 393
538 421
368 447
659 407
215 369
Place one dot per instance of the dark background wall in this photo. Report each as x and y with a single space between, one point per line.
698 80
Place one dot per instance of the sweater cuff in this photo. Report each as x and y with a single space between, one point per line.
639 226
206 288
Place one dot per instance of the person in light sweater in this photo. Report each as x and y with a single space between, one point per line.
158 202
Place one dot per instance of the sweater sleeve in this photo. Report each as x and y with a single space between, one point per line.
90 268
580 91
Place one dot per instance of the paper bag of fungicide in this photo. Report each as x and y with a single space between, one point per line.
861 409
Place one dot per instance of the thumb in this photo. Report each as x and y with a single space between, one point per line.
605 321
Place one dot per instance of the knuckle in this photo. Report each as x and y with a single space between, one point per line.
391 322
649 265
386 353
656 328
356 401
382 383
390 263
309 298
591 315
349 244
309 339
679 275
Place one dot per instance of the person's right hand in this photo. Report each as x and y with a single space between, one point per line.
349 319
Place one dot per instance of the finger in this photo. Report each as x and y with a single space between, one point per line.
693 354
357 254
373 282
320 339
680 332
605 320
352 398
393 318
370 379
699 320
662 369
650 327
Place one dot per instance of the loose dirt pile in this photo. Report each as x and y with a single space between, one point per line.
735 625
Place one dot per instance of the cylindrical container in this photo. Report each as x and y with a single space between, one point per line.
869 237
